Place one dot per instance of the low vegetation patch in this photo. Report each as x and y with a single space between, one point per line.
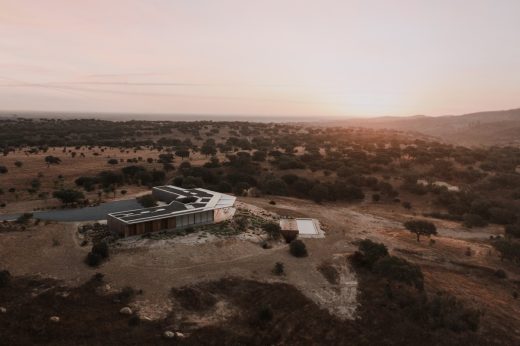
329 272
98 254
298 248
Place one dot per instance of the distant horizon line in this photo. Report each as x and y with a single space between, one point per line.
208 116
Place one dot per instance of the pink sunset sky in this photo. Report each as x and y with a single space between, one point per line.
239 57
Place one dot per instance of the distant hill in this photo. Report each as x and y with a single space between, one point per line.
483 128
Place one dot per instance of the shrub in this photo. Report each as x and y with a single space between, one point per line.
508 250
98 277
126 293
3 169
100 248
474 220
24 218
513 230
113 161
499 273
273 229
265 314
319 192
279 268
376 197
501 216
298 248
399 269
448 312
134 320
407 205
68 196
241 223
370 252
5 278
93 259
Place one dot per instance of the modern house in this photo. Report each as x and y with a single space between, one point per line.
178 208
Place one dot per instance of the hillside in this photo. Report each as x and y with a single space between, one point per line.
482 128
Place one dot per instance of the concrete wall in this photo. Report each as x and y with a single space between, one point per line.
223 214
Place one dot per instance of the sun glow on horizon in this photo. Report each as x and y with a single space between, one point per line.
299 58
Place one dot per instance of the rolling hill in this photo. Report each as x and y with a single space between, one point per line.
474 129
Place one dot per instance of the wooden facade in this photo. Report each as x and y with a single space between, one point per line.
176 222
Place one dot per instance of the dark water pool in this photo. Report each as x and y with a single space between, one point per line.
81 214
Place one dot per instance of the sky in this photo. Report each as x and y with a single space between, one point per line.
323 58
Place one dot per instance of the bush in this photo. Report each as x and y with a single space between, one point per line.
508 250
126 293
474 220
100 248
265 314
369 253
68 196
298 248
399 269
279 268
448 312
273 229
93 259
98 277
513 230
407 205
499 273
113 162
241 223
134 320
24 218
5 278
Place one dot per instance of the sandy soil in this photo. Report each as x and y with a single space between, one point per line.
157 266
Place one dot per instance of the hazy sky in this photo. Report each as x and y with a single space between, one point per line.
281 57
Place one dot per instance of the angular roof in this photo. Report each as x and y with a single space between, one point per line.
179 201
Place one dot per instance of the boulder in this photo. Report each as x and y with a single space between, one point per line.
3 310
169 334
179 335
126 311
54 319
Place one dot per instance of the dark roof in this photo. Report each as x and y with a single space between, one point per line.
179 201
165 210
178 192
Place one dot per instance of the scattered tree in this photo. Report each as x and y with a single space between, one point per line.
421 227
68 196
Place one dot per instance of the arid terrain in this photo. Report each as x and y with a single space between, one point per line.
218 284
